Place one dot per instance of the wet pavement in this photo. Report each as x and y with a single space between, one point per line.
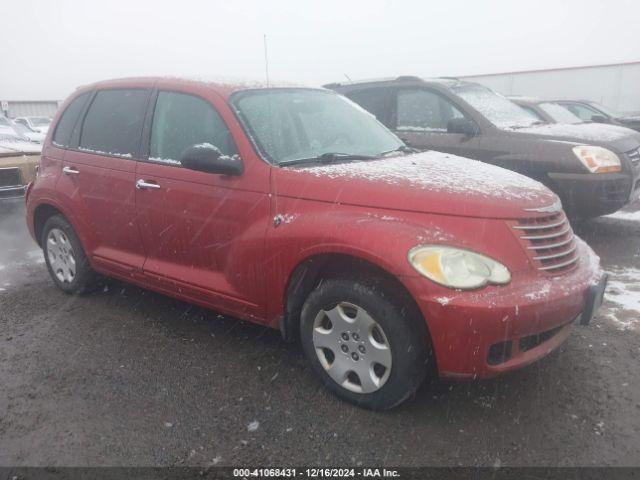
125 376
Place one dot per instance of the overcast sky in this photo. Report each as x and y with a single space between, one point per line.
51 47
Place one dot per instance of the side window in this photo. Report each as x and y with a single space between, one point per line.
424 110
68 120
376 101
530 110
113 124
581 111
181 121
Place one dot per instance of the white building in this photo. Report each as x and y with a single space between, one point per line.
26 108
615 85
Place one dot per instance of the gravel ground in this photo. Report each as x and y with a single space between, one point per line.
128 377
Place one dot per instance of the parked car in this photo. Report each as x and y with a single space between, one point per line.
39 124
590 111
595 169
547 112
28 133
295 209
6 127
18 164
11 128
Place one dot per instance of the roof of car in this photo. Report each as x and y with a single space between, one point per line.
402 79
223 86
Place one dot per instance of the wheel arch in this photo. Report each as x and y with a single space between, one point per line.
47 209
41 214
311 271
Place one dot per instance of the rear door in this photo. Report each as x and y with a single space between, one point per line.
421 117
203 233
98 177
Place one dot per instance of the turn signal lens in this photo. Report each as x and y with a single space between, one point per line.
598 159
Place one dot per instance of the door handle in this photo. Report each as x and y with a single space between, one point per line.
140 184
70 171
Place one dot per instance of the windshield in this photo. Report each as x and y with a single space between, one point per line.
20 128
499 110
295 124
559 113
40 121
608 111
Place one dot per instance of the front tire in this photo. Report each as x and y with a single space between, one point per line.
366 341
66 260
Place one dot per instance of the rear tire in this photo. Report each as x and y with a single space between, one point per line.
366 340
66 260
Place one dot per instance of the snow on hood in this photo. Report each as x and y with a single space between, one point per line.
437 171
582 132
17 146
429 182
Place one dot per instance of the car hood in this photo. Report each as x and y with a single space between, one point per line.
428 182
632 120
615 137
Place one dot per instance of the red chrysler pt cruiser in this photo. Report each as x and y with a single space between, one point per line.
294 208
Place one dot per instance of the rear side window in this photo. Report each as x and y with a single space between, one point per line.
68 120
181 121
424 110
377 101
113 124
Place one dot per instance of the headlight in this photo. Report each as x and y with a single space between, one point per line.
597 159
457 268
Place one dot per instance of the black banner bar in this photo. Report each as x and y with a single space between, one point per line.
375 473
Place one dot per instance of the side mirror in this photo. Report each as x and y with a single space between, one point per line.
599 119
205 157
463 126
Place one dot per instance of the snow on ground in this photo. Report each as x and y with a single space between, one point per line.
622 297
625 215
35 255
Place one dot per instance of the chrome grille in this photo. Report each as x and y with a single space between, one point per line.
634 156
10 177
548 241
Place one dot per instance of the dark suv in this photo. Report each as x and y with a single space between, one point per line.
595 169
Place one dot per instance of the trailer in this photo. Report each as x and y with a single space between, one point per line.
614 85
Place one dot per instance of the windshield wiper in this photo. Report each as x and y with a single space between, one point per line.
533 124
329 157
401 148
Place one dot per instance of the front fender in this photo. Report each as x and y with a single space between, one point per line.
303 229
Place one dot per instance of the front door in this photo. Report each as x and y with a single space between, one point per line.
203 233
421 120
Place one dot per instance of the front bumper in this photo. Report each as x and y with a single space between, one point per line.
591 195
479 334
